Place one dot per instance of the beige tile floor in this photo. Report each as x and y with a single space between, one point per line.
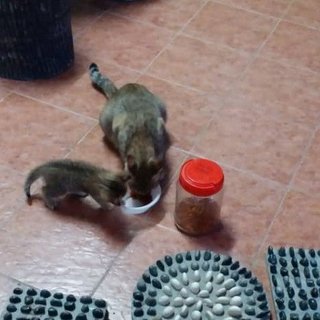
241 79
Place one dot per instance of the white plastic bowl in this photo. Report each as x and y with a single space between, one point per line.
133 206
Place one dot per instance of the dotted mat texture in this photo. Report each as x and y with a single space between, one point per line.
27 303
295 280
199 285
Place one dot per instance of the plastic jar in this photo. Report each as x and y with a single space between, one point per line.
199 197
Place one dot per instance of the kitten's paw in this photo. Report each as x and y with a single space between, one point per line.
107 207
51 205
79 195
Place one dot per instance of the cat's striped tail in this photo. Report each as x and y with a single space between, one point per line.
103 83
35 174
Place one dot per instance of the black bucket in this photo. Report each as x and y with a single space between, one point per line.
35 38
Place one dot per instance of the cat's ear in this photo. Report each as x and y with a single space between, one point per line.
154 164
124 176
160 124
131 163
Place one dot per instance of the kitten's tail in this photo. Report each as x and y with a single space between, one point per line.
103 83
34 174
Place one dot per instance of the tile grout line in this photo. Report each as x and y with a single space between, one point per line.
55 106
150 24
13 279
174 37
170 42
120 66
240 77
109 12
219 45
281 203
256 54
175 173
174 83
288 188
286 63
259 105
142 73
6 96
223 99
80 140
142 22
7 167
172 229
81 32
106 273
181 32
254 57
269 15
242 74
98 284
244 52
233 6
249 173
301 24
302 190
14 211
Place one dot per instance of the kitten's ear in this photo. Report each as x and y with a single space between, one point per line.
131 163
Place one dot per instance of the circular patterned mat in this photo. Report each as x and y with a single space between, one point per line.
199 285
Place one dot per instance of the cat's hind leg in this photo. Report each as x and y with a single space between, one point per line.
51 197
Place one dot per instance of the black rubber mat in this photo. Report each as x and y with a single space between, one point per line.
199 285
295 280
28 303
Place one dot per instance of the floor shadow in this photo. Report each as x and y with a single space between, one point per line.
77 6
118 4
220 240
110 146
113 222
104 5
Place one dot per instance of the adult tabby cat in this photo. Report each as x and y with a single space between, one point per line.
133 120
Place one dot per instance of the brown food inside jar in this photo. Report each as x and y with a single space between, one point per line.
197 216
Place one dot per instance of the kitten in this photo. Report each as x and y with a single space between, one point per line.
67 177
133 120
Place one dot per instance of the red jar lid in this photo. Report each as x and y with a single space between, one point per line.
201 177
